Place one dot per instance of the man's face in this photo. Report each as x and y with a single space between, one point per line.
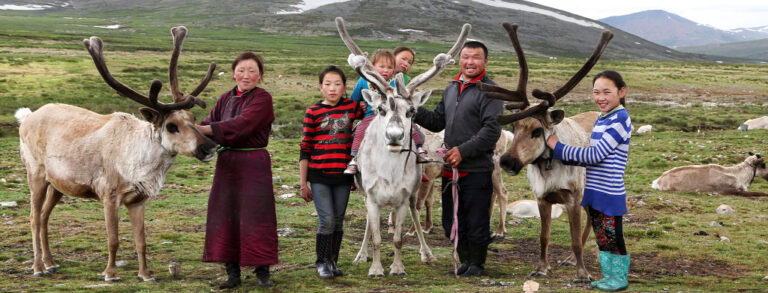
472 62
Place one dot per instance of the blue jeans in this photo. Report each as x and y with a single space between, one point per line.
331 204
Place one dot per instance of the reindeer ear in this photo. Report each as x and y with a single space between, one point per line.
421 97
372 98
751 153
556 116
152 116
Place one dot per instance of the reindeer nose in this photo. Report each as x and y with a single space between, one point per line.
395 132
511 165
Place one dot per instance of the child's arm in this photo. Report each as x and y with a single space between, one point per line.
614 134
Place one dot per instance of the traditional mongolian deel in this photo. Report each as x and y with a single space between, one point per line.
606 160
242 225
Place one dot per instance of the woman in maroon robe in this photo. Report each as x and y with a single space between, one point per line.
241 228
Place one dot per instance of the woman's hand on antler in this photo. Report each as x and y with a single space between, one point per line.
552 141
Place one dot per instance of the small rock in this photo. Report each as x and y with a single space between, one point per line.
285 186
762 242
716 224
125 220
125 239
640 203
530 286
97 286
724 239
3 181
766 278
287 195
725 209
166 242
121 263
59 285
487 282
26 262
700 233
506 284
314 214
10 223
515 222
8 204
10 261
286 232
276 179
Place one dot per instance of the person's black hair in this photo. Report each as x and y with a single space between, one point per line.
476 44
615 77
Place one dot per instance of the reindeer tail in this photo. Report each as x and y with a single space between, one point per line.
21 114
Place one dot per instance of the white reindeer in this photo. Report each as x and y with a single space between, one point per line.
733 180
116 158
389 175
551 181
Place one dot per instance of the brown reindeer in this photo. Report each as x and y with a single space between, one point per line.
551 181
116 158
733 180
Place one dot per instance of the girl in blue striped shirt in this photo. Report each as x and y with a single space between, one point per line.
606 161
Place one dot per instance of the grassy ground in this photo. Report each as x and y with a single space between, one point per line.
694 108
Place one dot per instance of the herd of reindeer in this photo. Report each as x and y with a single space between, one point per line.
120 159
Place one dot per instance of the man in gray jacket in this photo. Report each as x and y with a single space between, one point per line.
471 131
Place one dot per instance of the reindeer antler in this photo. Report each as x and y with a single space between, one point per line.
95 47
359 61
548 99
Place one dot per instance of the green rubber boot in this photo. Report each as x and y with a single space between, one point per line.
604 268
617 273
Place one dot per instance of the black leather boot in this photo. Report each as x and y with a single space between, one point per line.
464 256
478 254
262 274
233 276
337 236
322 248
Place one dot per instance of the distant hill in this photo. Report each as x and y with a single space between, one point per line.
543 31
674 31
751 49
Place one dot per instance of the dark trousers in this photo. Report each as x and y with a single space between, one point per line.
475 191
609 232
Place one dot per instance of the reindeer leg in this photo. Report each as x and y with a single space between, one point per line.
501 195
50 201
376 270
397 268
426 253
391 222
37 188
111 218
574 221
428 201
137 224
362 255
419 203
545 211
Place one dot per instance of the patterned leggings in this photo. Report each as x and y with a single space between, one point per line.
609 232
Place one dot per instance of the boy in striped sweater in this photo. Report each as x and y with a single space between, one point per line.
325 152
606 161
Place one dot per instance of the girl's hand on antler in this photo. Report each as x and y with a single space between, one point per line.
552 141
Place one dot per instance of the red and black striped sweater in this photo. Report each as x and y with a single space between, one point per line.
328 140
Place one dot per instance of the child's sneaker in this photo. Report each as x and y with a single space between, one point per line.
351 168
422 156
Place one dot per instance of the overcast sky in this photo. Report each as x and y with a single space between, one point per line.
722 14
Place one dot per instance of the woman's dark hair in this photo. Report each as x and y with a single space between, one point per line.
332 68
475 45
615 77
336 69
400 49
249 55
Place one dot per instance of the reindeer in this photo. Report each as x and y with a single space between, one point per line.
389 174
551 181
116 158
733 180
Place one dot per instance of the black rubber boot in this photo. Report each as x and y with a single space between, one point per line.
478 254
322 248
464 256
337 236
233 276
262 274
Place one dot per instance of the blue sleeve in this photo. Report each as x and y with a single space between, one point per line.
616 133
357 95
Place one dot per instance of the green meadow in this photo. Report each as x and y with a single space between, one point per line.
694 108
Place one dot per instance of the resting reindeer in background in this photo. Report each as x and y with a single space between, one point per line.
733 180
389 175
551 181
116 158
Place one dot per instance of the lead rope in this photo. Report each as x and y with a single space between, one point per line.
455 225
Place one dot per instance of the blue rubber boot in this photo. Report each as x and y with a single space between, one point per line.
604 268
618 271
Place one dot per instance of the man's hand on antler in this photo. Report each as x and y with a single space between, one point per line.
443 60
356 61
552 141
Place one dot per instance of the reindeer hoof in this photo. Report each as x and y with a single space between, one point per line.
538 275
497 236
582 280
376 275
566 264
397 274
150 279
113 280
41 274
52 270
